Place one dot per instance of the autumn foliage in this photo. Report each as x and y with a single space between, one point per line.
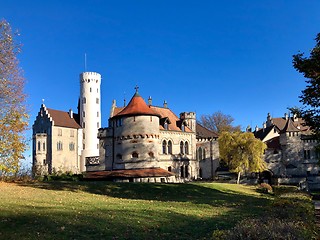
13 113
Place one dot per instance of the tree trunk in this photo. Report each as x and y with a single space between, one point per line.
238 180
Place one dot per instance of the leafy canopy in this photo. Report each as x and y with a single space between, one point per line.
242 151
13 114
310 97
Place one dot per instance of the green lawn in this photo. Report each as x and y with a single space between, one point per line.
104 210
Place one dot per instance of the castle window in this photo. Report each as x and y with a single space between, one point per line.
83 146
169 169
164 147
71 146
186 147
183 129
119 156
97 90
97 114
186 171
90 88
200 154
181 148
151 154
182 171
59 132
84 100
97 124
150 118
39 146
306 154
83 113
84 125
44 162
135 155
43 146
59 146
71 133
204 154
83 135
97 100
169 147
165 125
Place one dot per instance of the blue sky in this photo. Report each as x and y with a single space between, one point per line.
202 56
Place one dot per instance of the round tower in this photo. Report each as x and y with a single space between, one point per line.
90 114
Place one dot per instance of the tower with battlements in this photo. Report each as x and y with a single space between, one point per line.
90 116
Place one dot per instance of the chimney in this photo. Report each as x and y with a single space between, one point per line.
149 101
165 104
248 129
286 116
257 129
264 125
70 113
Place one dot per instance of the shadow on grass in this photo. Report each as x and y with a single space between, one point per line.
115 224
100 219
194 193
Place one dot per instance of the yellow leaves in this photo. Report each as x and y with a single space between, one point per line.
242 151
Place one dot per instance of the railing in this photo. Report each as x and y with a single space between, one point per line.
92 160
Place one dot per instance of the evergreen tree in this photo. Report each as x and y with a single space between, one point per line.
13 113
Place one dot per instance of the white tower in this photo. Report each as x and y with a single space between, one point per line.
90 115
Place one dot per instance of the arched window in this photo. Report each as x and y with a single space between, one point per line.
204 153
181 147
182 171
200 153
135 155
164 147
39 146
186 148
43 146
169 147
151 154
186 171
84 100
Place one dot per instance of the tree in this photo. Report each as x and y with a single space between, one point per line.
242 152
310 97
219 122
13 113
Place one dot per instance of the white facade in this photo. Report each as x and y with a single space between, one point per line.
90 114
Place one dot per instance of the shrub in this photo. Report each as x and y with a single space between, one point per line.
266 188
265 229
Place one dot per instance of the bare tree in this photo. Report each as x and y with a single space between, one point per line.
219 122
13 113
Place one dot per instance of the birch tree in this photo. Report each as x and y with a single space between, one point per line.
13 113
242 152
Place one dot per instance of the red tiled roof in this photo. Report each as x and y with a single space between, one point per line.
129 173
280 123
175 122
136 106
63 119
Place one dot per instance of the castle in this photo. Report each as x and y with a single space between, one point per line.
143 143
291 154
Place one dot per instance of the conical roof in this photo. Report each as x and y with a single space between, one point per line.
137 106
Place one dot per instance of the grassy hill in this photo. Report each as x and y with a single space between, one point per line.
104 210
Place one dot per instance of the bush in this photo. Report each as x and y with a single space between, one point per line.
265 229
68 176
266 188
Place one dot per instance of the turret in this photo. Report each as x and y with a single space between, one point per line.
90 114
